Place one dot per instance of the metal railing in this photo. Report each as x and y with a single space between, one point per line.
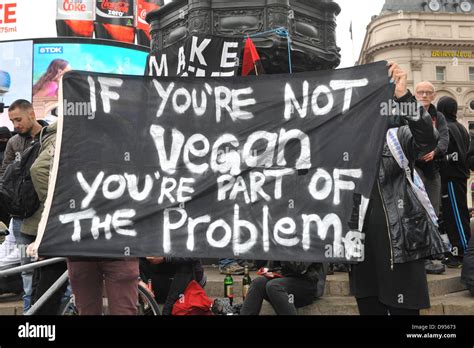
32 266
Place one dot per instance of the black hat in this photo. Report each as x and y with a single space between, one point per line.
5 132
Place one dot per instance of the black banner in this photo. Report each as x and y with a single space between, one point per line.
276 167
197 56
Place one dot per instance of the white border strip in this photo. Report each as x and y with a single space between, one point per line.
54 172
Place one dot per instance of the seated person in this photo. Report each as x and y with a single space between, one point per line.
300 285
170 278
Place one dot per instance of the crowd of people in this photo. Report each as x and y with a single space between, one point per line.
402 242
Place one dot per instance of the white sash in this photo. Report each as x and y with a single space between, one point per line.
416 183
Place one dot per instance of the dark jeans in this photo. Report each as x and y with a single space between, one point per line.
372 306
284 294
43 278
169 281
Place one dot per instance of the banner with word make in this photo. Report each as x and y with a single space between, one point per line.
274 167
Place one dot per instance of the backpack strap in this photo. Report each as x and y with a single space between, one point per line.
416 183
43 136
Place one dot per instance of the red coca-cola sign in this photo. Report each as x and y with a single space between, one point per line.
120 6
143 8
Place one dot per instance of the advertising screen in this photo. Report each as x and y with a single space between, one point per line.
52 60
15 74
15 70
89 57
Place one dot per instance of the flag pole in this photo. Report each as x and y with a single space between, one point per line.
353 47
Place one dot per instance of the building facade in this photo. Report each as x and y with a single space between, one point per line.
433 40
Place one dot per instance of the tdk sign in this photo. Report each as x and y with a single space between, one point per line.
51 49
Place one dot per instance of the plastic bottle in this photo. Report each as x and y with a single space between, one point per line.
114 20
75 18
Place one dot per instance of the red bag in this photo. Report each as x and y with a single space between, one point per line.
267 273
194 302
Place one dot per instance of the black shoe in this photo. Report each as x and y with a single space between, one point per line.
434 268
453 262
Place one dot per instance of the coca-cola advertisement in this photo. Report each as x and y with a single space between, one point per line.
75 18
115 20
143 29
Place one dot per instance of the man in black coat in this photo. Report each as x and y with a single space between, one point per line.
454 175
427 166
398 233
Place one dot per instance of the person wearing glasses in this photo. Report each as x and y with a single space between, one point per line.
427 166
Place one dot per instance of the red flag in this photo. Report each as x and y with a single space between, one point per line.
251 58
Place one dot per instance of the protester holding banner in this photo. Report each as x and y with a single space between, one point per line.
398 231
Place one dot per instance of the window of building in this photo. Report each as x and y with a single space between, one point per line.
440 73
471 129
471 73
471 105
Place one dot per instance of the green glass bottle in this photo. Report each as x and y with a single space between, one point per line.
246 282
229 287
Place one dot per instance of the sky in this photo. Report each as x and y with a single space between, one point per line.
360 13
